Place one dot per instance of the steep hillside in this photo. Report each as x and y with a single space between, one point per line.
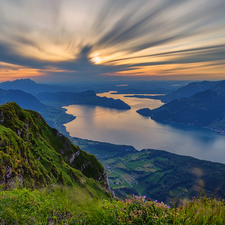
35 154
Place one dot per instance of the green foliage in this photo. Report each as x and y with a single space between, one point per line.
40 155
155 173
58 205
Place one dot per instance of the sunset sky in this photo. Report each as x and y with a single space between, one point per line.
73 40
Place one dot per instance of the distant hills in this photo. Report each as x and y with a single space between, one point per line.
25 100
205 108
86 97
189 90
132 87
49 104
22 92
28 101
201 109
32 87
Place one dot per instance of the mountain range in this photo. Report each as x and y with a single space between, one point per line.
87 97
188 91
49 104
29 95
201 109
204 108
29 86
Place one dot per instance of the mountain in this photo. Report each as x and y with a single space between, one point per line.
35 155
86 97
202 109
193 88
219 88
25 100
189 90
32 87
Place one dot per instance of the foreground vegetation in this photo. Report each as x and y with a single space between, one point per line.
35 155
57 205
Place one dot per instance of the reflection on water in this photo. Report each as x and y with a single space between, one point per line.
128 127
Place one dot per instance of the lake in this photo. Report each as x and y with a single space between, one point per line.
128 127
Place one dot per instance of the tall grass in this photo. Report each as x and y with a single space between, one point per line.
59 205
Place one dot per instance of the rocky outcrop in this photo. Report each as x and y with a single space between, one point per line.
74 156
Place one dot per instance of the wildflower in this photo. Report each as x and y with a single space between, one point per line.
168 207
156 200
144 196
149 199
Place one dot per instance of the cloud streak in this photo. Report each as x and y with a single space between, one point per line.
129 37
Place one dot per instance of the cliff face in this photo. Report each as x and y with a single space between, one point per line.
34 154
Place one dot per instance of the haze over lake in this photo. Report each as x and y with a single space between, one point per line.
130 128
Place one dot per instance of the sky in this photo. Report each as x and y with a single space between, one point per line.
71 40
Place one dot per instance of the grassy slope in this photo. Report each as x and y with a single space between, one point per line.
41 155
71 206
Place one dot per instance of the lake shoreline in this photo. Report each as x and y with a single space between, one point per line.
130 128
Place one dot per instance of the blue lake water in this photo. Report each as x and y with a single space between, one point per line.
130 128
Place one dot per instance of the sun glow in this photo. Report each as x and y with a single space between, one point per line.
96 59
